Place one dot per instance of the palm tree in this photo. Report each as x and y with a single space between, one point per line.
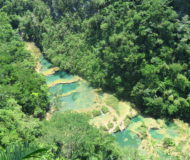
21 152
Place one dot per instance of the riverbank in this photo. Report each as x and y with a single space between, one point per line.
36 53
112 120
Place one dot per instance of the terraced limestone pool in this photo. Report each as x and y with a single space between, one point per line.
71 96
77 95
146 134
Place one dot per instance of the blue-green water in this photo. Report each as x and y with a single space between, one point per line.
127 138
45 65
137 119
58 75
63 88
172 130
82 96
154 133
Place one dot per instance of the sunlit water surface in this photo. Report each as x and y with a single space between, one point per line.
82 96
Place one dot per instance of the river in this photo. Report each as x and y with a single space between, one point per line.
69 92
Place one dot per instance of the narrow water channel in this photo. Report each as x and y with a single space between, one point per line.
70 96
145 133
81 96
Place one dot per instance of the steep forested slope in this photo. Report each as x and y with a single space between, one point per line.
138 50
24 102
22 91
19 82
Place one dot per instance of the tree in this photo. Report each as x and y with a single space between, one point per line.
18 78
138 50
21 152
77 139
16 126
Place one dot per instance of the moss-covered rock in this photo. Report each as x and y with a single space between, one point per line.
115 119
127 121
117 129
110 125
96 113
168 142
103 128
105 110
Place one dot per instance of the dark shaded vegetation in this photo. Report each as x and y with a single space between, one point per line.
181 6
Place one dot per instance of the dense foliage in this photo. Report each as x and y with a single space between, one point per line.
22 151
24 100
17 127
19 82
23 94
137 49
76 139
